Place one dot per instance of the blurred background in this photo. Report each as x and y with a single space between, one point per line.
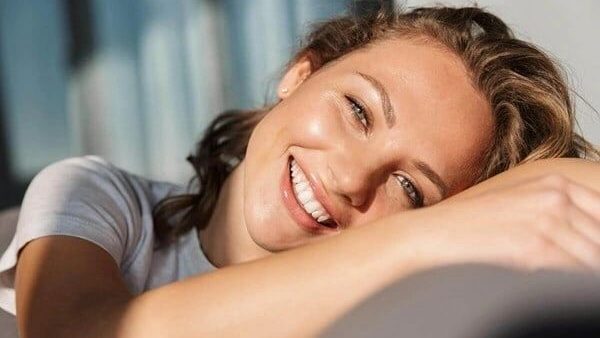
137 81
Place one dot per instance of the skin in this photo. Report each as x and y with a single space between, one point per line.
440 119
538 215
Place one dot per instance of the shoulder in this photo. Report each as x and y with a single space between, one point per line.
80 186
76 169
90 198
87 177
100 175
87 190
91 165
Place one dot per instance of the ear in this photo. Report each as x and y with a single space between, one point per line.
294 77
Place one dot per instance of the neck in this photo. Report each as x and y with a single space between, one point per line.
225 239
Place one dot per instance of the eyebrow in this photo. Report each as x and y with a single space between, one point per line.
432 176
390 118
386 106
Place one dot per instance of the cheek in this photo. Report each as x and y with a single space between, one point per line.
316 126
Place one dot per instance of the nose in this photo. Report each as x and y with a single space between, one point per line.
355 180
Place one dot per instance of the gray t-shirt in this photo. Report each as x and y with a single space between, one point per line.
89 198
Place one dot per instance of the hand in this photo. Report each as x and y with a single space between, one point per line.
547 221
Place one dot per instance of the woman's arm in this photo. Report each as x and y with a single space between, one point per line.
584 172
67 287
299 292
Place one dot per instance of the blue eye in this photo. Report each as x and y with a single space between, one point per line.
411 191
359 112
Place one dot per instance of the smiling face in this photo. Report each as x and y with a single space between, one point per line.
384 129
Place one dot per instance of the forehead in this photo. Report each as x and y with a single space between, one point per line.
441 117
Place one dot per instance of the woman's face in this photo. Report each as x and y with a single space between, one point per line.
384 129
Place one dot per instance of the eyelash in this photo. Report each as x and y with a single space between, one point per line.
364 118
415 196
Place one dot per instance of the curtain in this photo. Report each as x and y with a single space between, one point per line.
137 81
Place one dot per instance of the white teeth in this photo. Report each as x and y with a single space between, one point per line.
312 206
301 186
305 194
316 214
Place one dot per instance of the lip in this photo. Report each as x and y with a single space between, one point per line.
302 218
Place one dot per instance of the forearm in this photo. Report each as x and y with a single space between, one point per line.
292 294
299 292
586 173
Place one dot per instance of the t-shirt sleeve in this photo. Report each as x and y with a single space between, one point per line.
84 197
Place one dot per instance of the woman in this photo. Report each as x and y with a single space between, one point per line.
379 120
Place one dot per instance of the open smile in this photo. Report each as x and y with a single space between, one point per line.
299 197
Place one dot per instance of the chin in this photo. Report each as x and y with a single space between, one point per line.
270 230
